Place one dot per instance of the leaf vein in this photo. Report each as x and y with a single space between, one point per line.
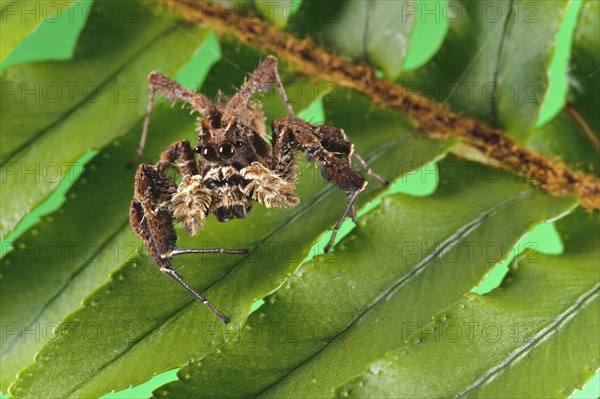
563 318
36 136
418 268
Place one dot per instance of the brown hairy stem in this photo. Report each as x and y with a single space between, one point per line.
554 177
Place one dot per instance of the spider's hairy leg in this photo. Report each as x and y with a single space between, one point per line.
185 251
178 154
260 80
151 198
190 204
284 149
173 91
334 139
151 220
297 134
268 187
198 296
273 183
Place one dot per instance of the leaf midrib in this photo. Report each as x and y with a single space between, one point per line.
10 157
462 232
307 205
563 318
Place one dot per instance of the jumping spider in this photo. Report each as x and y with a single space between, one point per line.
236 165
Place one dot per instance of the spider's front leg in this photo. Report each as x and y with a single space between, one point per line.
334 140
265 75
321 144
166 87
151 216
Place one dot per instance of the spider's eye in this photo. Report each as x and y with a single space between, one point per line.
238 144
209 153
226 151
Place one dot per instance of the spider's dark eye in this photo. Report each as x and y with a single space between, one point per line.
209 153
226 151
238 144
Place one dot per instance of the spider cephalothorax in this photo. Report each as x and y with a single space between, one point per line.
235 166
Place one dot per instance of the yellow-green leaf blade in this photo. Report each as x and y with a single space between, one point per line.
506 343
405 262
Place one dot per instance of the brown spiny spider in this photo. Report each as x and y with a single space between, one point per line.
236 165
